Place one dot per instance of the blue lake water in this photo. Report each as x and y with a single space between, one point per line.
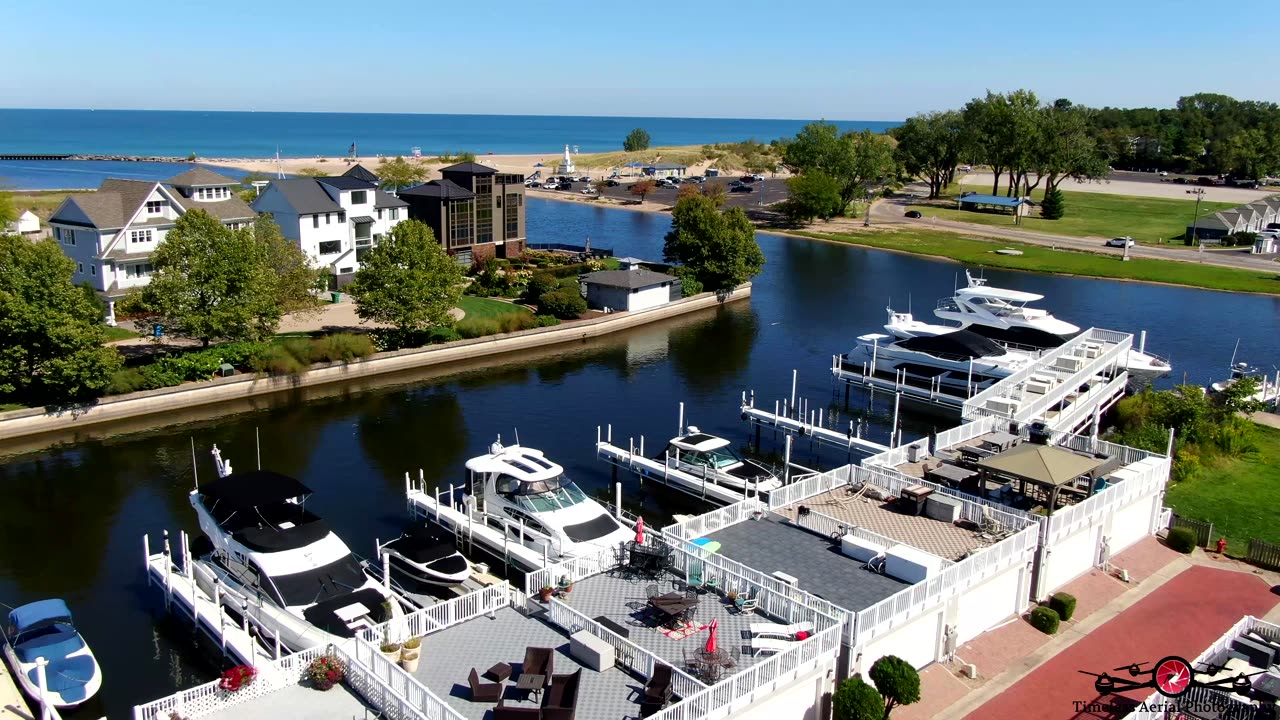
78 174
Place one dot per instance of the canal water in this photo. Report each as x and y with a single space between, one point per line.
72 517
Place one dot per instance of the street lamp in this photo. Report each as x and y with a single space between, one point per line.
866 214
1195 220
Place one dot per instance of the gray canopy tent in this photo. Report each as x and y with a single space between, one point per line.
1048 467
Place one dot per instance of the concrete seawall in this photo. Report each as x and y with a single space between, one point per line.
19 423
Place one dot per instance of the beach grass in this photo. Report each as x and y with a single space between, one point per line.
723 157
1146 220
478 308
1238 496
41 202
1037 258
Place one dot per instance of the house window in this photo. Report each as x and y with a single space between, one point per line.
346 270
79 268
359 197
342 216
68 236
395 213
93 269
155 207
315 221
512 214
139 236
460 227
376 238
327 218
363 230
379 213
331 247
135 271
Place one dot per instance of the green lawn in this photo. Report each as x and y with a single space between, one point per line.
1037 258
119 333
478 308
5 407
1240 497
1146 220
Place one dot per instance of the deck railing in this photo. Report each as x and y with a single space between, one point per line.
210 697
572 570
1150 475
835 528
396 693
442 615
894 457
963 433
737 692
708 523
1215 654
974 509
809 486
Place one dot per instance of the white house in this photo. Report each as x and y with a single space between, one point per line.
111 233
26 224
629 290
335 220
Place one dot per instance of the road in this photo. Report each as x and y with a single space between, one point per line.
771 190
890 212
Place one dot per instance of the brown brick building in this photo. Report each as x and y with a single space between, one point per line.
475 211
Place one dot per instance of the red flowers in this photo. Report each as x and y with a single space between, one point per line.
325 672
237 677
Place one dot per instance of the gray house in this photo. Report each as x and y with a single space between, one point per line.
629 290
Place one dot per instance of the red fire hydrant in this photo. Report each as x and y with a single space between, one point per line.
1222 546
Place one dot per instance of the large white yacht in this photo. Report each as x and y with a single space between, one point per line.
1004 316
705 455
959 361
522 494
280 563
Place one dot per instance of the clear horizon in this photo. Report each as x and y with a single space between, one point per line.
754 60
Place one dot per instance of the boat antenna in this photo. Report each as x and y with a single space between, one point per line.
1233 355
517 432
195 474
258 442
908 303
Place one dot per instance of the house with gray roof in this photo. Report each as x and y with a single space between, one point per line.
335 220
630 290
475 211
111 233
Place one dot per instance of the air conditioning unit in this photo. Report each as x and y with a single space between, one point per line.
1004 406
786 579
1069 363
1036 387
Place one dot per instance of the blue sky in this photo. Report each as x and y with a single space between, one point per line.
838 60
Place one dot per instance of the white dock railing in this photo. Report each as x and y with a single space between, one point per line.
1148 477
572 570
963 433
210 697
835 528
397 694
973 508
810 486
707 523
894 457
442 615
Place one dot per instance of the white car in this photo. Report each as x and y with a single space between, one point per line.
589 191
1120 242
965 168
757 178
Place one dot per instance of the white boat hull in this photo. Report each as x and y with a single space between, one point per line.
25 674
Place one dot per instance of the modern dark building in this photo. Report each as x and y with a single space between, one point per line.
475 211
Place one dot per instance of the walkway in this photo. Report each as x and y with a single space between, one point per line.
13 704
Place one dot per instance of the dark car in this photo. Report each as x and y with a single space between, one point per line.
746 179
1206 181
612 183
1180 181
914 214
739 188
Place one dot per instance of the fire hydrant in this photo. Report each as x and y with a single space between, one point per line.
1222 546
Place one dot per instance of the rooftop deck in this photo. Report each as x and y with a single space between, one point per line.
480 643
769 545
300 701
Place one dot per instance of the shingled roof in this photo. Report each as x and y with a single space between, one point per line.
630 279
305 196
199 177
471 168
361 172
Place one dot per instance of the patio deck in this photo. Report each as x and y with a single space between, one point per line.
449 655
940 538
769 545
340 703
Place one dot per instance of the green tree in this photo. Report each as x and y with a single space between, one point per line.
312 172
408 280
897 681
640 188
296 281
1054 206
812 195
930 146
637 139
715 192
212 282
856 160
854 699
720 248
398 173
51 333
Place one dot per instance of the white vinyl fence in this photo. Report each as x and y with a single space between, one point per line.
210 697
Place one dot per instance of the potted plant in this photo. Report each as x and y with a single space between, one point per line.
410 653
390 650
325 672
238 677
544 593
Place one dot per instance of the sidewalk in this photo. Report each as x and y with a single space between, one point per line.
12 703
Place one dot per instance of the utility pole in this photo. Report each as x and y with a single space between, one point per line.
1195 221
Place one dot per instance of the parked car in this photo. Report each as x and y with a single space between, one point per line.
965 168
1120 242
532 183
914 214
612 183
1180 181
756 177
739 188
1206 181
747 179
590 191
585 178
697 179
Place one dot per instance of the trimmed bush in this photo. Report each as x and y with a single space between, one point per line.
564 304
1064 604
1045 620
125 380
547 321
444 335
278 360
541 282
1182 539
341 347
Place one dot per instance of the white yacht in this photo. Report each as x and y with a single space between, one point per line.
958 361
705 455
518 492
44 630
425 556
1004 316
280 563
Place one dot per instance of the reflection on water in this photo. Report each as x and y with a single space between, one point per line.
72 517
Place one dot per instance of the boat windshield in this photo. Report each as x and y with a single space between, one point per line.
549 495
722 457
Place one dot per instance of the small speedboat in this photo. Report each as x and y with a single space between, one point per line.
423 557
44 629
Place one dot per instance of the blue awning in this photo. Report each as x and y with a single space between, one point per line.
977 199
40 611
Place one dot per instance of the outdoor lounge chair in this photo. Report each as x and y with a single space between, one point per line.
770 645
658 690
539 661
483 691
502 712
560 701
780 630
745 604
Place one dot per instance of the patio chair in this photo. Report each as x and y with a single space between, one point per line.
780 630
770 645
539 661
482 691
659 688
745 604
693 576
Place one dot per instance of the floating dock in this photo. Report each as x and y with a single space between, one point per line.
632 458
797 421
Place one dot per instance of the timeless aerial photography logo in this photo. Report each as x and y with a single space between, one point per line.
1172 677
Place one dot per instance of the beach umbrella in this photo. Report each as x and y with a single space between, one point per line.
711 637
639 531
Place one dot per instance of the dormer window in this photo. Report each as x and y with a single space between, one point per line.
155 207
213 193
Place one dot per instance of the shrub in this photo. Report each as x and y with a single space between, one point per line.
854 699
341 347
515 322
573 270
564 304
160 376
1045 620
546 320
125 380
1182 539
541 282
1064 604
896 680
477 327
278 360
689 285
444 335
1053 207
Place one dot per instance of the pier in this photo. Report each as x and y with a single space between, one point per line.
795 419
663 471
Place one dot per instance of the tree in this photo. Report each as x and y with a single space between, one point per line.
51 333
719 248
296 281
812 195
856 700
714 192
1066 149
398 173
637 139
600 186
312 172
897 681
855 160
566 304
248 192
930 146
407 280
1053 207
640 188
212 282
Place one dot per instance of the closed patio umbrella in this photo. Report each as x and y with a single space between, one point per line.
711 637
639 531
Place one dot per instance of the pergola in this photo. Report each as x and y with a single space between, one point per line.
1047 467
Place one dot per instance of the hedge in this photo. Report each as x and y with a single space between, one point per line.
1045 620
1182 539
1064 604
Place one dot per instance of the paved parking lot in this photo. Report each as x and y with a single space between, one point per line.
770 190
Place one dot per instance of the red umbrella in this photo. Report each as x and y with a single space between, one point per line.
639 531
711 638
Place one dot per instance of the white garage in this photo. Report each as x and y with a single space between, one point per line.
629 290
